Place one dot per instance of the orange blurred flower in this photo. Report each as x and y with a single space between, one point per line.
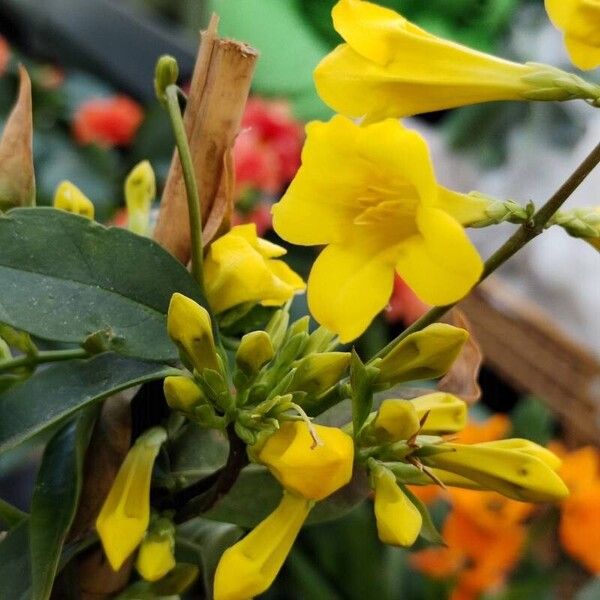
4 55
579 529
107 121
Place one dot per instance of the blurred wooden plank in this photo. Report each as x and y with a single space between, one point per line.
522 344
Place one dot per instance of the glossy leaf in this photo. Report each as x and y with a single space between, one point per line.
15 569
60 390
55 499
256 493
10 515
65 277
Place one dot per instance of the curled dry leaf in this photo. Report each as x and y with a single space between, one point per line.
461 379
17 177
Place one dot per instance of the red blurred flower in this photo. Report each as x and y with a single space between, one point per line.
267 151
259 214
4 55
107 121
404 305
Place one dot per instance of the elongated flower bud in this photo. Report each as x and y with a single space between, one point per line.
249 567
316 373
70 198
309 470
426 354
398 519
125 514
182 393
189 326
445 413
254 351
156 554
140 189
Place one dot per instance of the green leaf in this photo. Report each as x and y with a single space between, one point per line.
65 277
15 570
168 588
531 419
55 499
62 389
256 493
10 515
202 541
361 380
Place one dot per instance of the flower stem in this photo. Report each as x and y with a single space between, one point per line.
41 357
522 236
191 187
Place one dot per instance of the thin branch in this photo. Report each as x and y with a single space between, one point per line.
31 360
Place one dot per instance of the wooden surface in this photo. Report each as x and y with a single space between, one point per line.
522 344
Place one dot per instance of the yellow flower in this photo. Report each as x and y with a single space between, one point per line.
70 198
511 469
249 567
189 326
389 67
445 413
156 554
140 189
579 21
398 519
125 513
369 193
309 470
240 267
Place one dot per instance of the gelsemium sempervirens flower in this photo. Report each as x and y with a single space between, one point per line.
249 567
125 514
369 193
140 189
240 267
70 198
309 470
579 21
389 67
398 519
189 326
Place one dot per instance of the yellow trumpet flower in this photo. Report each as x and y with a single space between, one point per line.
125 514
240 267
70 198
310 470
140 189
389 67
249 567
369 193
398 519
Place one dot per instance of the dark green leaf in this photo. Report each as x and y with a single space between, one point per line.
256 493
55 499
64 388
202 541
15 570
531 419
361 380
170 586
65 277
10 515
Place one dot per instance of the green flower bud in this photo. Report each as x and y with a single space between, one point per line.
277 327
316 373
165 74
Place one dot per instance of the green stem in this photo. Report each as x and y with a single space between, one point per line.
41 357
524 234
191 187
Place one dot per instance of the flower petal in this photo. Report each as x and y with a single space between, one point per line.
349 285
582 54
466 209
441 264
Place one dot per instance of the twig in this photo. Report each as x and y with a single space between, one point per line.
31 360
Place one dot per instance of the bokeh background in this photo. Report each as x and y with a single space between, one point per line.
95 117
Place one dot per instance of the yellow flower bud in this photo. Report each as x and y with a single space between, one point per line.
249 567
156 554
254 351
398 519
125 514
309 470
445 413
70 198
140 189
527 447
240 267
182 393
189 326
316 373
395 420
425 354
389 67
513 473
